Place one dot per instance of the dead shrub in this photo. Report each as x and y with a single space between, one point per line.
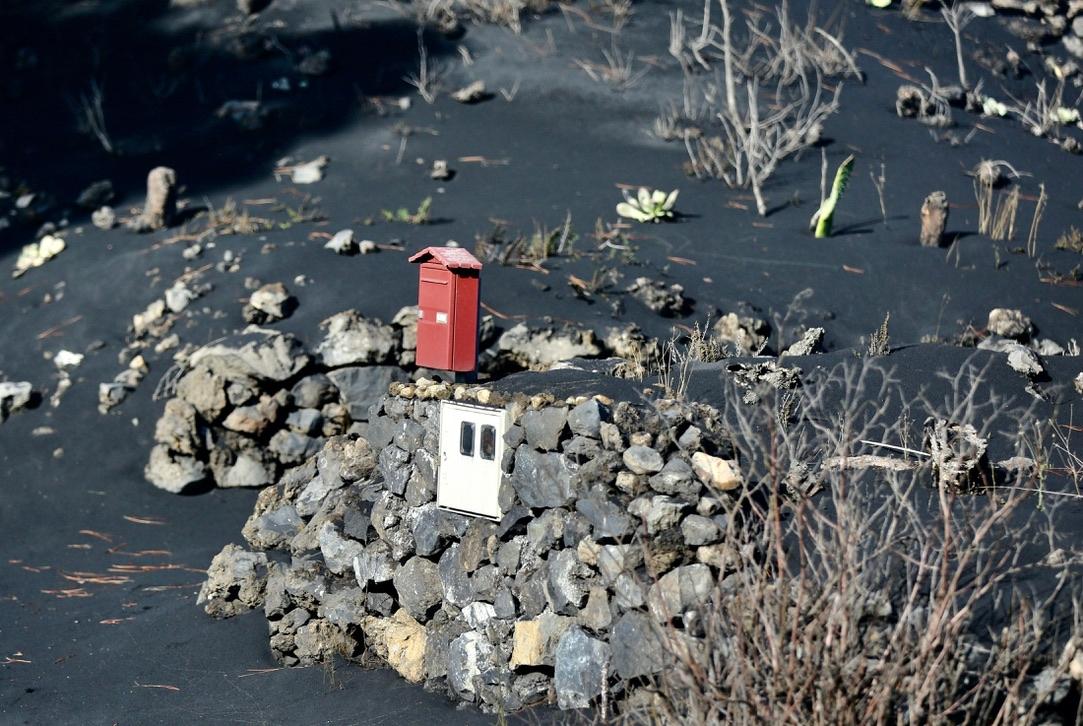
881 599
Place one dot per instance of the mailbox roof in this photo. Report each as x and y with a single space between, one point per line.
453 258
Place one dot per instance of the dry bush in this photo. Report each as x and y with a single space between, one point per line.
996 210
618 71
681 353
769 102
855 592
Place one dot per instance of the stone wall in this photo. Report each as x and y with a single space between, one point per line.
613 517
247 408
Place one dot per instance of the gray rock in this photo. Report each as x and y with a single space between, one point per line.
582 663
338 552
544 427
307 421
293 448
235 582
313 391
320 640
467 655
808 343
421 488
542 480
508 556
608 519
596 614
274 528
615 559
433 528
698 530
681 589
362 386
352 339
173 472
409 436
676 478
541 348
374 564
257 354
478 614
418 586
392 463
586 419
312 496
628 592
642 460
667 301
637 649
454 578
344 608
565 587
545 530
513 436
691 439
248 470
660 512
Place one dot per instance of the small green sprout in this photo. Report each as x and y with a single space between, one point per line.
821 221
648 205
402 214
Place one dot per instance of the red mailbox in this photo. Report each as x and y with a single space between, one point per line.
447 309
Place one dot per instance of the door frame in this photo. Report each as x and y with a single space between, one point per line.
456 496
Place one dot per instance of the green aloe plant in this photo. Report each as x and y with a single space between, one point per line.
648 205
821 221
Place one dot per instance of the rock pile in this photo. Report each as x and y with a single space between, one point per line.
613 519
246 408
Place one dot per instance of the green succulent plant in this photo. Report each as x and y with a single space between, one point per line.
649 205
821 221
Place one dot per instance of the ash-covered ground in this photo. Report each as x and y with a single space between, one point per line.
302 125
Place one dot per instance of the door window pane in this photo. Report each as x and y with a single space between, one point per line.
466 439
488 442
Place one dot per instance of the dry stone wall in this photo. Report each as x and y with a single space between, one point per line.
245 409
613 515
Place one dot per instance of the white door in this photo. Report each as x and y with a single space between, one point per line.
471 446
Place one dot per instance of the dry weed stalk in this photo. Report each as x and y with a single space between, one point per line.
958 16
996 212
883 600
91 116
1036 221
680 354
756 134
618 71
427 78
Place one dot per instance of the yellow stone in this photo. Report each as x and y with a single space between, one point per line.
722 474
